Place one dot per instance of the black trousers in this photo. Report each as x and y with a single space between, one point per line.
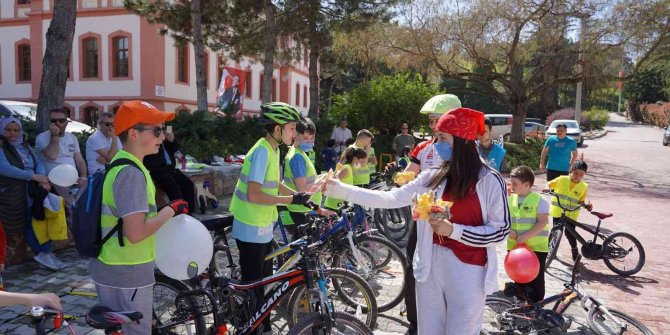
176 185
254 267
535 289
553 174
410 283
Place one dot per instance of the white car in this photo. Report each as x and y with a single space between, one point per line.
574 130
28 110
501 125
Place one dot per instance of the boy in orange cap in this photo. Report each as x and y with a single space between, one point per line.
123 273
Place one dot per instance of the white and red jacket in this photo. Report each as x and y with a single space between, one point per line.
425 155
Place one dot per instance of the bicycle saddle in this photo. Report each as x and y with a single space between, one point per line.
218 222
602 215
101 317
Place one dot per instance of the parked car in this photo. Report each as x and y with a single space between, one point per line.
534 119
666 136
28 110
501 125
574 130
535 130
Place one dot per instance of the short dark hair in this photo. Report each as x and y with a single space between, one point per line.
349 141
562 125
351 152
330 143
364 133
488 123
580 165
306 127
524 174
58 110
107 115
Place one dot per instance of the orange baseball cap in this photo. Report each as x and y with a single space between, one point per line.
135 112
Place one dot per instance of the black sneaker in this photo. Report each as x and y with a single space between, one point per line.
411 329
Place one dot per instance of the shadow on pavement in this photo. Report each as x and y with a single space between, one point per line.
626 284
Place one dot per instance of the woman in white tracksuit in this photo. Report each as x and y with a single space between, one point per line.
455 263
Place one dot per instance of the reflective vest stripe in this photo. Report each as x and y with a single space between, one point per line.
266 184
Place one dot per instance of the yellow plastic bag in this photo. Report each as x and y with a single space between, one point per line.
54 227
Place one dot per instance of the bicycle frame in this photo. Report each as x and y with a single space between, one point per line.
570 228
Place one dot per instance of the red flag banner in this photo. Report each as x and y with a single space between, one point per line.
620 82
230 95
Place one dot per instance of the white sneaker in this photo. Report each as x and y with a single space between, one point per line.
57 261
45 260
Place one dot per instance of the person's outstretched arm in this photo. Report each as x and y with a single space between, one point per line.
28 299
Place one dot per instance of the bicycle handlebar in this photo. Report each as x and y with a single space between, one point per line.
558 199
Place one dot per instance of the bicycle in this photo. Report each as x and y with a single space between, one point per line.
98 317
393 222
232 302
614 251
502 316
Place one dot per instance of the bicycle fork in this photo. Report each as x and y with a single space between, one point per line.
357 254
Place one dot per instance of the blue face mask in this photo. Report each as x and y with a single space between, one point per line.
444 150
306 146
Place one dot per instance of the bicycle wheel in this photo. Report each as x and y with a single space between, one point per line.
170 316
602 324
343 324
394 223
351 295
384 271
554 241
497 322
623 254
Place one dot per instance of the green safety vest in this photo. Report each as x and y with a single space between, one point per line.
524 218
310 178
249 213
333 203
569 197
111 253
312 156
361 174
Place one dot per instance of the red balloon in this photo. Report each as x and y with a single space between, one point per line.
521 264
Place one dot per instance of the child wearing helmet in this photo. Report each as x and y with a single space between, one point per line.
259 191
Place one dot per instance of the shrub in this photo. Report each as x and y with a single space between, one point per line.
527 153
658 115
595 118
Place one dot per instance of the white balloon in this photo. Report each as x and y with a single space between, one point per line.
64 175
183 247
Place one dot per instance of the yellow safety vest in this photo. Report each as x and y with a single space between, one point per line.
310 177
333 203
249 213
569 197
361 174
524 218
111 252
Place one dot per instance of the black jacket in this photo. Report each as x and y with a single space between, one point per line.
156 163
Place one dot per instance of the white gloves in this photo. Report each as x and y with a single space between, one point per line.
338 190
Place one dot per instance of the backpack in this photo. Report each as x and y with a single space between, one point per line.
86 211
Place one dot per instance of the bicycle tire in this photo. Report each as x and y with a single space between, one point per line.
614 250
597 321
389 287
366 304
394 223
343 324
554 241
495 323
171 317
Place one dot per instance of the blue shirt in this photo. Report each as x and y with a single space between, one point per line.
245 232
330 158
560 153
30 166
298 166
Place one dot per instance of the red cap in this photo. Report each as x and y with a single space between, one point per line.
461 122
135 112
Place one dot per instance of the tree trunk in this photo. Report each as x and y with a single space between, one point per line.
270 44
314 53
56 60
199 47
518 134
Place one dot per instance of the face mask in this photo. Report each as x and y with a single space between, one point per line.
306 146
444 150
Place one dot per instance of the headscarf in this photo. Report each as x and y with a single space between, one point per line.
465 123
7 120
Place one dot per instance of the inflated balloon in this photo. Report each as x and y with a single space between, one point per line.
183 247
521 264
64 175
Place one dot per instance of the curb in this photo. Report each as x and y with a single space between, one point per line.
601 134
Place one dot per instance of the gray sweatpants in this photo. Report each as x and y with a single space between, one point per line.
452 300
129 299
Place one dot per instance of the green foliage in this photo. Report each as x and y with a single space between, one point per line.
203 135
527 153
595 118
650 84
383 104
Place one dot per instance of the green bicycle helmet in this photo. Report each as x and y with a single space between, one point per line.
279 113
440 104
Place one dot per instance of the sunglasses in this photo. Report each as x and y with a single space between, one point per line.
58 120
108 124
156 130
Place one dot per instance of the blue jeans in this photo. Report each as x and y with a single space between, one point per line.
31 239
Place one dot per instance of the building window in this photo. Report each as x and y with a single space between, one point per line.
90 60
120 57
24 62
206 61
90 116
23 2
297 94
182 64
247 88
304 96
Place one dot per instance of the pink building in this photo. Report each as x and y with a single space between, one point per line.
119 56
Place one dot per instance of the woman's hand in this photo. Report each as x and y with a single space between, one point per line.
40 179
442 227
